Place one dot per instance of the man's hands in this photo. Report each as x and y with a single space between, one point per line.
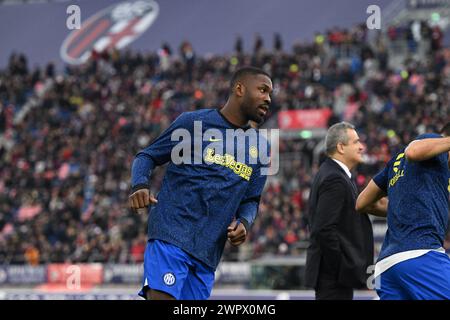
236 233
141 199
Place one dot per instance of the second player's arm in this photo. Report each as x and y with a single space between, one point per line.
371 200
420 150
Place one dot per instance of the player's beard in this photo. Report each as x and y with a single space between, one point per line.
250 109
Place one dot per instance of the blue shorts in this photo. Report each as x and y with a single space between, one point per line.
169 269
423 278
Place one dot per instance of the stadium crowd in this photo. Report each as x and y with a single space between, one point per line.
67 139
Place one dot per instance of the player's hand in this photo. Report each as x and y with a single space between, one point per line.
141 199
236 233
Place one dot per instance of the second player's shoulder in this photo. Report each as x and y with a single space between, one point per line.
428 135
396 158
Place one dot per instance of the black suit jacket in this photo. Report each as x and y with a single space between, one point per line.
341 240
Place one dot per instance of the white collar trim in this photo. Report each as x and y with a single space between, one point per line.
343 166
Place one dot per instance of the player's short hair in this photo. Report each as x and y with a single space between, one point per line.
445 131
243 72
337 133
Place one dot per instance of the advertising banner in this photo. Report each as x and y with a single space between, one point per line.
303 119
91 273
22 274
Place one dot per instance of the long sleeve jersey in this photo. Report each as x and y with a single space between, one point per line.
218 179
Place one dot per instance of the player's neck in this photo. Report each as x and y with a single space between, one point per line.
233 115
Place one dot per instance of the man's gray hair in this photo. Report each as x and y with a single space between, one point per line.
337 133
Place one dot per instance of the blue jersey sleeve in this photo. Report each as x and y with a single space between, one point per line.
157 153
248 208
443 159
382 178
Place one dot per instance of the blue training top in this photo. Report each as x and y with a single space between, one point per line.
418 202
198 201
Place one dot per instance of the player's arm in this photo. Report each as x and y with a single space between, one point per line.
372 201
248 209
420 150
158 153
371 198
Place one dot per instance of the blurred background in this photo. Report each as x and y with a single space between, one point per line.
77 105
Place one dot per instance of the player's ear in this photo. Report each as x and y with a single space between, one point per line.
239 89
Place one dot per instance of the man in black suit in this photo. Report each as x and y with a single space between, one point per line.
341 240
